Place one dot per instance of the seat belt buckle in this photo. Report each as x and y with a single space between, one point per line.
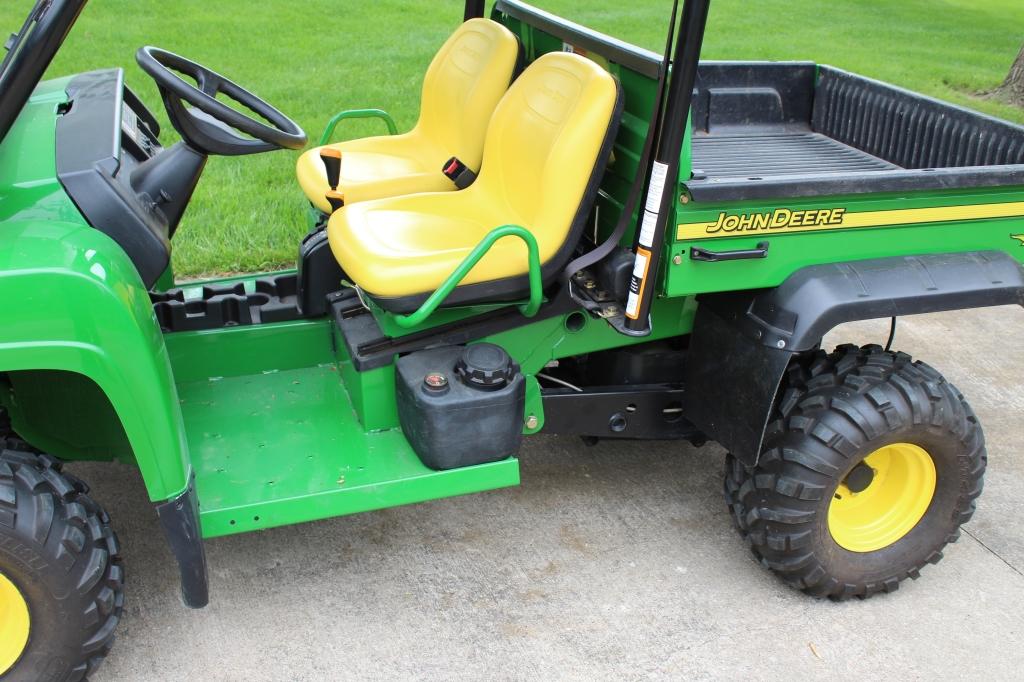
458 172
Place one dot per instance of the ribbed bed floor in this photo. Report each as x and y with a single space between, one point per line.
791 153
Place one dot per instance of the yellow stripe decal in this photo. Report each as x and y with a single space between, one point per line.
786 220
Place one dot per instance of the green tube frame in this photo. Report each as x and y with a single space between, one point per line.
357 113
529 309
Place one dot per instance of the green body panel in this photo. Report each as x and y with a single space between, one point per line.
372 394
792 251
29 189
50 272
238 351
72 303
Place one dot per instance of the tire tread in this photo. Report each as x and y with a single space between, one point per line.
74 532
873 391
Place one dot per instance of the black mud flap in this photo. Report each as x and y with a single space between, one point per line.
180 519
731 383
743 341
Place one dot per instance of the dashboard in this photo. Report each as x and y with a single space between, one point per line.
104 136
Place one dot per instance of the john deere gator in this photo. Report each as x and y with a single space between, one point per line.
578 236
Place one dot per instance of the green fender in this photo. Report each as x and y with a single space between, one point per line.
70 300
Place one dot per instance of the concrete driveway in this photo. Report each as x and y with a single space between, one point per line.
616 561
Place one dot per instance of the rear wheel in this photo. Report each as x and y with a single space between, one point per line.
61 581
871 463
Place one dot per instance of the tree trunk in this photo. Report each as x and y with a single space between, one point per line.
1013 87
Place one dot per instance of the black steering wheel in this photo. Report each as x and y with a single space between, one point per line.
210 126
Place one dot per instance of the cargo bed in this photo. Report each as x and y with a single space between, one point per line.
765 130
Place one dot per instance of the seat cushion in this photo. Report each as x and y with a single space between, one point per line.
373 168
404 246
461 88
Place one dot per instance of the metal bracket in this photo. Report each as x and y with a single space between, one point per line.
643 411
601 304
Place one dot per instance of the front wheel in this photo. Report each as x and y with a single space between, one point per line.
871 463
61 581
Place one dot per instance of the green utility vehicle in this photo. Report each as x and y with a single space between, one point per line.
573 239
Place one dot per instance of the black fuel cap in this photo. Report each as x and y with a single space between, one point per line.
485 366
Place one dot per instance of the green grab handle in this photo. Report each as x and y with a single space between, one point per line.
529 309
357 113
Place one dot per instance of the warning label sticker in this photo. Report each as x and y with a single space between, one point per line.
658 174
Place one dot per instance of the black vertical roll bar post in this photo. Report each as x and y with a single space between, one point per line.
650 240
474 9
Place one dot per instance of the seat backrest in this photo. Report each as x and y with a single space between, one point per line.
547 144
463 84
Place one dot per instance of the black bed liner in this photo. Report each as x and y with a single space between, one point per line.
766 130
768 154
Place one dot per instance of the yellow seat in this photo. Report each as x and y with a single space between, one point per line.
544 155
463 84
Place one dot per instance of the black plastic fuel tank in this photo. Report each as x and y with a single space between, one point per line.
461 405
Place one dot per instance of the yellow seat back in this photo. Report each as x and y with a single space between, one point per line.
463 84
546 146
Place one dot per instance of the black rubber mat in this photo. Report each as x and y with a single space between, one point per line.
768 154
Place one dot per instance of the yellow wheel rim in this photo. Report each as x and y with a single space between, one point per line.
13 624
874 507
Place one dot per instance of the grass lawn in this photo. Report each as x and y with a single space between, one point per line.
315 57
